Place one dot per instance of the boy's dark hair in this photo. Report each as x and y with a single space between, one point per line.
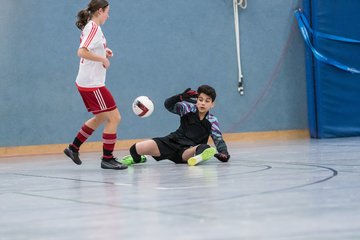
208 90
84 15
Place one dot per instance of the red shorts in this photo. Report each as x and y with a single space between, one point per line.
97 100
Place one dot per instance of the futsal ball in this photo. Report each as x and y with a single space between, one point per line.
143 106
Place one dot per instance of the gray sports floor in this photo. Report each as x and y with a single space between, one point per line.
296 189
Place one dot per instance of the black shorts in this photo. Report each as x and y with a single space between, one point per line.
170 150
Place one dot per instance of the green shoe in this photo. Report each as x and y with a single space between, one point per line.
128 160
204 156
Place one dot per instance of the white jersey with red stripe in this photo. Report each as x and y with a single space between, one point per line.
91 73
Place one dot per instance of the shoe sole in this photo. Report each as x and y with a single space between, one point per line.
67 153
119 167
204 156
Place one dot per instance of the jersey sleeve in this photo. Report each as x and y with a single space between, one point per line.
89 36
216 135
175 105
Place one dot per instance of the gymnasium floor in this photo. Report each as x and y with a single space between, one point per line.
294 189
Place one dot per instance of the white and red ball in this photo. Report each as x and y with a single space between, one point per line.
143 106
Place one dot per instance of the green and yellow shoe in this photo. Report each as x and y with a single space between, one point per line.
128 160
204 156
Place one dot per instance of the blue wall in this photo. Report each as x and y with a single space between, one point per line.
161 47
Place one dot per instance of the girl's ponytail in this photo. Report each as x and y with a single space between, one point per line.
82 18
85 15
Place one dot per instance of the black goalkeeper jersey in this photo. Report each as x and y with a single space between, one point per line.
193 131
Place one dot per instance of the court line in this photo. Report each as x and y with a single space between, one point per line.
73 179
266 167
126 207
333 171
333 174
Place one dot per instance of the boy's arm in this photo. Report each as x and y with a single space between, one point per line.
223 154
180 103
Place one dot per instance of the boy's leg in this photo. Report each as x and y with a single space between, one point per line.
203 152
138 150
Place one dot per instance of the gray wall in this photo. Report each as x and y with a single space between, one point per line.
161 47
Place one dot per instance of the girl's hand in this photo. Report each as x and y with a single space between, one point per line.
106 63
109 53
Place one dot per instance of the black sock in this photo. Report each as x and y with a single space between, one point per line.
201 148
73 148
83 134
107 154
136 157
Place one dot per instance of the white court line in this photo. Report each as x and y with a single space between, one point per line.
122 184
179 188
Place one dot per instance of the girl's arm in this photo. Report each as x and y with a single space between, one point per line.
85 53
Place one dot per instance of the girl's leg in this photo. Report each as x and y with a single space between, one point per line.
96 121
85 132
112 120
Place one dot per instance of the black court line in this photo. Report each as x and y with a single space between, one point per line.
190 215
333 174
265 168
71 179
125 207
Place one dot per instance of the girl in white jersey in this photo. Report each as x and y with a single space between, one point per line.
94 60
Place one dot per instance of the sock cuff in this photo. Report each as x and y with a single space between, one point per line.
87 129
74 147
107 157
109 136
109 141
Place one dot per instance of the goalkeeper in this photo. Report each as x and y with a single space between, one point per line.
188 144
